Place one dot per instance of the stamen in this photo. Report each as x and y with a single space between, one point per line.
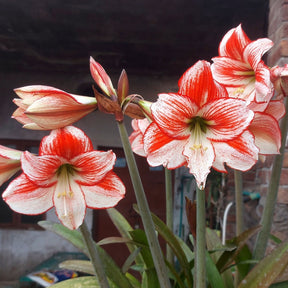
238 91
64 191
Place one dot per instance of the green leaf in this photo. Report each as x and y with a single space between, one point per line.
242 261
134 282
112 271
113 240
139 237
83 282
213 274
228 257
150 279
280 285
214 244
173 242
83 266
131 258
268 269
124 228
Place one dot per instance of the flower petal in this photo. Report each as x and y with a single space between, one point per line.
91 167
34 92
27 198
200 156
56 111
105 194
198 84
162 149
254 51
67 142
9 163
233 43
173 113
101 78
41 170
226 118
137 136
231 72
70 205
239 153
267 133
276 109
263 86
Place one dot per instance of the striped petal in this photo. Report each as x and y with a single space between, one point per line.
231 72
137 136
233 43
162 149
27 198
226 118
67 142
267 133
263 86
56 111
254 51
101 78
198 84
92 167
41 170
200 156
105 194
276 109
239 153
69 203
173 112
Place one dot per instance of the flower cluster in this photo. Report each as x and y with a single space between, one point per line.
223 114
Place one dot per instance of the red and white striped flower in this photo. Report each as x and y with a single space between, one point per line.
240 69
201 127
67 174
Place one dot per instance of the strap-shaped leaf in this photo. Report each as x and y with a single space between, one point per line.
173 242
268 269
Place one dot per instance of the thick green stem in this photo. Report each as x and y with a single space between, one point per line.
200 265
169 210
267 215
239 202
148 224
239 211
94 256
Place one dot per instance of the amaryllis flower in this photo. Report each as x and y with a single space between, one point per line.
67 174
47 108
9 163
279 77
240 69
137 136
199 125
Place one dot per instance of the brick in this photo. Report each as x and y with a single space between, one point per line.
284 12
284 177
285 160
282 196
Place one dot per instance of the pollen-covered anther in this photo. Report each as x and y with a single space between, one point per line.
238 91
198 146
64 194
